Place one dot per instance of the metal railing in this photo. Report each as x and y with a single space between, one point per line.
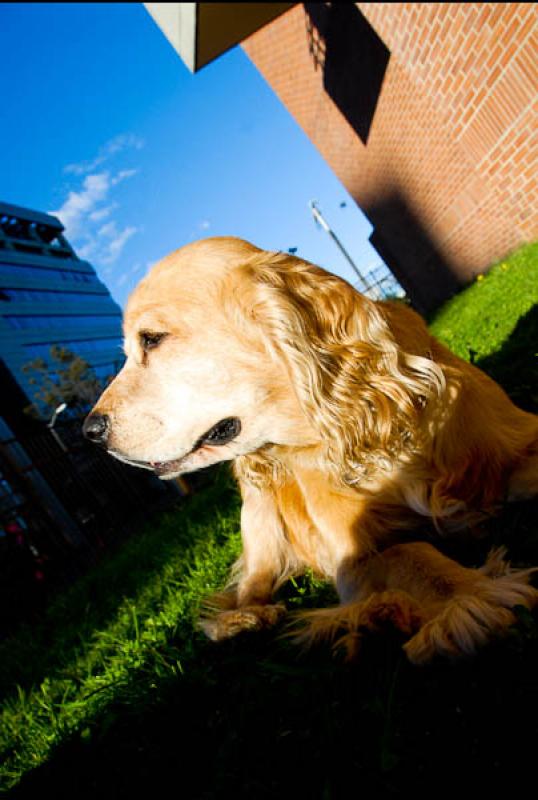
62 505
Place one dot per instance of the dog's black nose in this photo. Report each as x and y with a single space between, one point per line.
95 428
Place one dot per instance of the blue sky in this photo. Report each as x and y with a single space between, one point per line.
105 126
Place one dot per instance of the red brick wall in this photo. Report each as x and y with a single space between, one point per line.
448 175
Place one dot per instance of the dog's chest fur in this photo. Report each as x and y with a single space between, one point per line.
326 522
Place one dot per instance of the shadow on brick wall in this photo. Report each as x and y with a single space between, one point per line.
410 252
353 58
354 61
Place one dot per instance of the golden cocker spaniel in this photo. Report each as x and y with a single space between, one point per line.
348 424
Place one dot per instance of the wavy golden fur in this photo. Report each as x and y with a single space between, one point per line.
363 426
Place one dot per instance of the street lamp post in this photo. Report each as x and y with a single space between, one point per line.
320 219
50 425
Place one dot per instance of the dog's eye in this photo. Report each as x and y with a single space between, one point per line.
149 340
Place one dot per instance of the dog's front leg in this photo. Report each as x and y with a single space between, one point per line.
246 604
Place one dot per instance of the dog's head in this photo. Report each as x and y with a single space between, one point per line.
199 385
231 349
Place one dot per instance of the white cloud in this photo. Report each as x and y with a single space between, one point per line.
79 204
111 148
122 175
114 247
102 213
81 211
204 225
122 279
128 274
86 250
106 244
109 229
88 211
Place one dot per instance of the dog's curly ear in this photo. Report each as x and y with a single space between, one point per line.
354 383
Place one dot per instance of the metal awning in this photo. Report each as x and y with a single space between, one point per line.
200 32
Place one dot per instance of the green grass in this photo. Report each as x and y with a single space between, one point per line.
113 626
494 324
478 321
116 694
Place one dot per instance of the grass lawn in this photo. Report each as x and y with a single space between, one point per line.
115 694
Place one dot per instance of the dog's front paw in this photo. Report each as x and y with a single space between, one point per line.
250 618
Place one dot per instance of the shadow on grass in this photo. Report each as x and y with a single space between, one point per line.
515 365
250 719
37 650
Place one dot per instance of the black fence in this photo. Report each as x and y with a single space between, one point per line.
64 502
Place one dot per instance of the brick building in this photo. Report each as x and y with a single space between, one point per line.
427 112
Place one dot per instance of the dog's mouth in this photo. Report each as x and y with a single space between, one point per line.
222 433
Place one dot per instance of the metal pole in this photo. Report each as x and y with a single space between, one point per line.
50 425
320 219
58 439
